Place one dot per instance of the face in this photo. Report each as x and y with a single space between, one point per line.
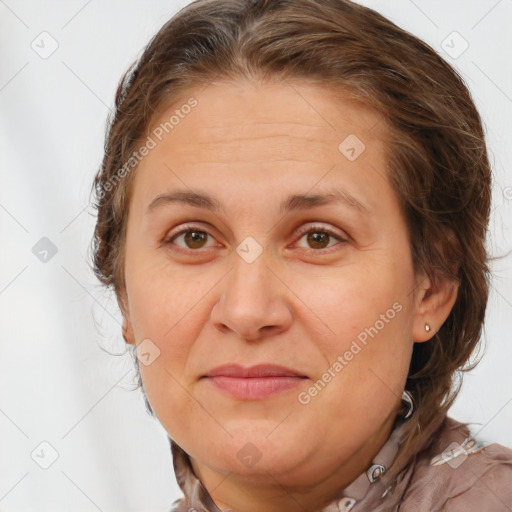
299 258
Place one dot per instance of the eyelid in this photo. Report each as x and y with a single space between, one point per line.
323 229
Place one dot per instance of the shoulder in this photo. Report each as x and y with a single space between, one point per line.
459 472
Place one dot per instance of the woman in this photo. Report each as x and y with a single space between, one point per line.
292 211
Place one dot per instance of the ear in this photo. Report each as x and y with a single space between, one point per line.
435 298
128 334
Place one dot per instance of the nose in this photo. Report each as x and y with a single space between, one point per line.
254 301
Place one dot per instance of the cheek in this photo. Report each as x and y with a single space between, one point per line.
164 309
367 312
161 297
348 300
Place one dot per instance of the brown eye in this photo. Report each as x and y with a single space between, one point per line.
321 239
195 239
189 239
318 239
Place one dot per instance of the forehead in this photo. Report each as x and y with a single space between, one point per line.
252 133
302 105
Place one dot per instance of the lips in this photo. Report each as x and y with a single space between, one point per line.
258 382
260 370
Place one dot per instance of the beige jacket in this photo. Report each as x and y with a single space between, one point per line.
457 473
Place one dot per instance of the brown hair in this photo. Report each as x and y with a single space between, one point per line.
437 157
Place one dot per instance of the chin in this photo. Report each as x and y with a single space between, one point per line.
255 451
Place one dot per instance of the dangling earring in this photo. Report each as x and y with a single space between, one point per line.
407 398
427 327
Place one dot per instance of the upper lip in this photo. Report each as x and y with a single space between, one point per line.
259 370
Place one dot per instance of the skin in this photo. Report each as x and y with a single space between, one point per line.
300 304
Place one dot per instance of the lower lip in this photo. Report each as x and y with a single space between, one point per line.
254 388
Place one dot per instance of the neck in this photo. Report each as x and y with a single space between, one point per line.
240 495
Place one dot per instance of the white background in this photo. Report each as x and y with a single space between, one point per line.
56 383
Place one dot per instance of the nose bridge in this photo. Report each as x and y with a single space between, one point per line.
252 297
249 281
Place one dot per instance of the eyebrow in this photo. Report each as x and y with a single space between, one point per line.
291 203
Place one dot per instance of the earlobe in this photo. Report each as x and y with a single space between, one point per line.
435 302
128 334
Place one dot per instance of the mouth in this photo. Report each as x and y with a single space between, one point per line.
254 383
254 388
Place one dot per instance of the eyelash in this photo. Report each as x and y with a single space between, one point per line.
169 241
